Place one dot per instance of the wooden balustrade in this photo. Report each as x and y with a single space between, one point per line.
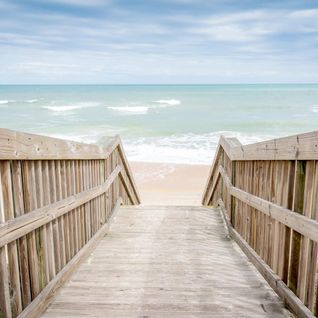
56 198
268 193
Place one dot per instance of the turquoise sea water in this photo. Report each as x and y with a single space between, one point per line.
162 123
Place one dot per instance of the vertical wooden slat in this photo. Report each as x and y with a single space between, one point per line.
288 201
59 196
49 227
32 238
5 303
65 218
86 186
72 185
6 198
275 193
313 250
298 202
304 257
17 183
71 216
42 244
55 223
77 171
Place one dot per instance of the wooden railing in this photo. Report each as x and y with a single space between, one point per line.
56 198
268 193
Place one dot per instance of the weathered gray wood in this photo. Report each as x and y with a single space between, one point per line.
295 221
272 195
6 198
5 303
166 262
22 225
40 303
17 145
292 301
297 147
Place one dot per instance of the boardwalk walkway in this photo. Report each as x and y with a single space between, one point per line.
166 262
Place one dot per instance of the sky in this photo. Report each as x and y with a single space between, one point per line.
158 41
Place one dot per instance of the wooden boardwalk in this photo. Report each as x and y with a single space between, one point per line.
166 262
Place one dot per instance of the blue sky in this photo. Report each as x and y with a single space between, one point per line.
163 41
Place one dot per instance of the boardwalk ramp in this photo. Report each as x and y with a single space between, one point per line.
166 262
75 241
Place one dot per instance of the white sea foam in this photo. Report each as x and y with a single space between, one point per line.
61 108
182 148
8 101
68 108
131 109
143 109
314 108
168 102
175 149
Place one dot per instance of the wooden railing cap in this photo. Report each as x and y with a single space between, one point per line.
16 145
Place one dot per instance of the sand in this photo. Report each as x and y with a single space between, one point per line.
170 184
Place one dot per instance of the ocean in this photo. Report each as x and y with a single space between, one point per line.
162 123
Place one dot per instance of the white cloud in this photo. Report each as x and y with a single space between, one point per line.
232 32
84 3
308 13
253 15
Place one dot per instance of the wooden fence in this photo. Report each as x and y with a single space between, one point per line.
268 193
56 198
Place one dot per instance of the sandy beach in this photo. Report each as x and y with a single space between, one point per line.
175 184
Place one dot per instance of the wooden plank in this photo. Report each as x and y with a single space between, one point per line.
30 205
298 204
225 144
13 261
24 224
65 217
55 224
49 226
297 147
312 267
304 257
41 302
71 214
42 244
17 189
5 303
296 221
128 171
86 185
288 203
19 146
60 220
292 301
189 272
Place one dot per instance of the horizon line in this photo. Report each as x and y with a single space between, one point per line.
157 84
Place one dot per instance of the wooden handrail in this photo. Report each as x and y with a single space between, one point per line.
270 192
16 145
298 222
56 196
36 307
24 224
